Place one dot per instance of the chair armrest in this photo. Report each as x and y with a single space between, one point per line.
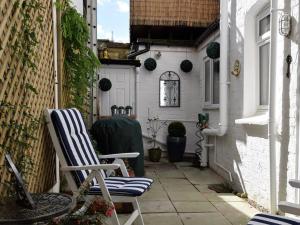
289 207
120 156
295 183
91 167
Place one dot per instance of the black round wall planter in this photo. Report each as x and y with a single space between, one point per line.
186 66
176 148
213 50
105 84
150 64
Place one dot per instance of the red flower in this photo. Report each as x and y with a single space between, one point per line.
109 211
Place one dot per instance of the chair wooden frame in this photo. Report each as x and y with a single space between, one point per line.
98 174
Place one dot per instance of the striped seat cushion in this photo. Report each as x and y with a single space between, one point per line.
129 186
74 140
78 151
262 219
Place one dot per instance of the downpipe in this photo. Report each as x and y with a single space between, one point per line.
224 42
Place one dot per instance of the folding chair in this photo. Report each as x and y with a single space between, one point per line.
81 165
287 207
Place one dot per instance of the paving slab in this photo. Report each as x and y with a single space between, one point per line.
203 177
162 219
170 173
154 196
180 188
214 218
187 196
173 181
222 197
157 207
203 188
194 207
236 212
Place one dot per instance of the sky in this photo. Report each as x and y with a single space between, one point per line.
113 17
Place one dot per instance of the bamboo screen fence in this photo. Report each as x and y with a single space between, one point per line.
192 13
27 92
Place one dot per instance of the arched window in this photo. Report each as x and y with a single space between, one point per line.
169 89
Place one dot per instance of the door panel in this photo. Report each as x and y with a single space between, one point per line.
122 92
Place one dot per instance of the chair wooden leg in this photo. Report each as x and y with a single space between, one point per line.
139 220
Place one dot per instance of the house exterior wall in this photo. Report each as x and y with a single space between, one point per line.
190 94
244 149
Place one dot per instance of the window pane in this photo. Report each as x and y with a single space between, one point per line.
216 81
264 56
264 25
207 80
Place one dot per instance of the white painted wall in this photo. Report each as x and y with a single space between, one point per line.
78 4
190 96
244 150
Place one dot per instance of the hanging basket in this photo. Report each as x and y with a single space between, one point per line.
213 50
105 84
150 64
186 66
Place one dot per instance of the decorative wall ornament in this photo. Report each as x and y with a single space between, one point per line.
186 66
236 68
213 50
150 64
105 84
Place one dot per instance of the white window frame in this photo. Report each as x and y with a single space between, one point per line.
210 104
260 41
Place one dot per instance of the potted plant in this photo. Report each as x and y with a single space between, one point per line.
176 141
154 125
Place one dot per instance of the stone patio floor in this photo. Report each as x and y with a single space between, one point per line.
180 196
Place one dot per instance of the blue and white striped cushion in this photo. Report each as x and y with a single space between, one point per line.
263 219
78 151
129 186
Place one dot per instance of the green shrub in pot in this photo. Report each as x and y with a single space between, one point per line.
176 141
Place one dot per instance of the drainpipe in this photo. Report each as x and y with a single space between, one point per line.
272 106
56 186
224 40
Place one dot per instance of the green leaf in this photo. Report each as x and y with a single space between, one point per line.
31 88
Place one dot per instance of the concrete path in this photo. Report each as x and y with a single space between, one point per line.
180 196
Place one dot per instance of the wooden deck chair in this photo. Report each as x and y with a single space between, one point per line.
81 165
287 207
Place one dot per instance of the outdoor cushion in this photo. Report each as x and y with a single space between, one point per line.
129 186
261 219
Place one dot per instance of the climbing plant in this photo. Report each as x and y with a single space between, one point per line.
20 134
80 62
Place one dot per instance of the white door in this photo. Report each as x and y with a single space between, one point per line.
122 92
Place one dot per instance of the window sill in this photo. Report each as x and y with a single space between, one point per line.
260 118
211 107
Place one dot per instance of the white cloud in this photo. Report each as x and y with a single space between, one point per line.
123 6
122 39
102 34
101 2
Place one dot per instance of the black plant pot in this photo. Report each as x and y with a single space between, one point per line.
176 148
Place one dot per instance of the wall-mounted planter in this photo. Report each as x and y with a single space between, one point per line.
186 66
213 50
150 64
105 84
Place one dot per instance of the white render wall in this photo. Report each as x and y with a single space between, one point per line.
190 93
244 150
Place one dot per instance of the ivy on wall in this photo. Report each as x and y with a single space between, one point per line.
80 62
